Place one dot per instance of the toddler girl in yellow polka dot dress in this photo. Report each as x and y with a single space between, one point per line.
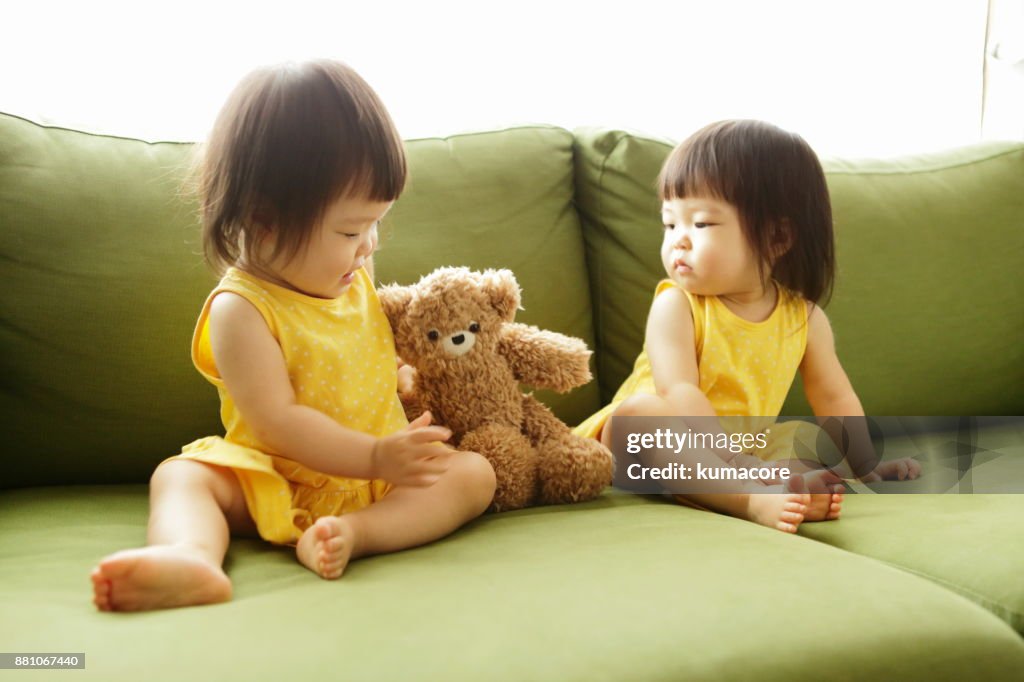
301 166
748 250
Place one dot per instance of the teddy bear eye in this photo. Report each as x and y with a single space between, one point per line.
433 335
474 327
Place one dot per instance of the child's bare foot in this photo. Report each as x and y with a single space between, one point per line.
826 494
779 506
158 577
824 507
326 546
904 469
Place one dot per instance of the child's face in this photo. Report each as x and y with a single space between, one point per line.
704 249
339 246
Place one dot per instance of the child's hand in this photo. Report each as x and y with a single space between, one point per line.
406 376
412 457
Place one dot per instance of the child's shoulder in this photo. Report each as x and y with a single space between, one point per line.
678 292
230 310
674 305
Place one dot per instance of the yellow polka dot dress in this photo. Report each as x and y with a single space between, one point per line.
746 368
340 356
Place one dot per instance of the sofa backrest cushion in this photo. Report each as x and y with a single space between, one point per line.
928 308
103 277
500 199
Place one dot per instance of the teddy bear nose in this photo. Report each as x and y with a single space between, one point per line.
458 339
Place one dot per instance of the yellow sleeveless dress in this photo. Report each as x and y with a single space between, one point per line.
340 356
746 368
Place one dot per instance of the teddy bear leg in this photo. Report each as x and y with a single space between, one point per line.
570 468
514 461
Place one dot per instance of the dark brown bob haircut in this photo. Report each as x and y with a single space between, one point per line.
290 140
776 183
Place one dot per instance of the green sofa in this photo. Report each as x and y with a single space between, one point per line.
102 282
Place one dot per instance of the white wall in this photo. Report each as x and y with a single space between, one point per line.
855 77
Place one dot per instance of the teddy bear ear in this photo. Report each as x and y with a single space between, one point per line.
503 289
395 300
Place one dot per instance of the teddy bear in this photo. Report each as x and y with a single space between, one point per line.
455 328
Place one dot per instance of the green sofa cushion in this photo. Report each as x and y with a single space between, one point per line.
928 310
103 280
968 543
620 588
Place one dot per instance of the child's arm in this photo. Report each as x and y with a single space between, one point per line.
250 362
671 350
830 394
826 385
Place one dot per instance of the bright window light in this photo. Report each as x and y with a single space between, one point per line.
855 77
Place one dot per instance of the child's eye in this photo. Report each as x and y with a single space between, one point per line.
669 226
701 226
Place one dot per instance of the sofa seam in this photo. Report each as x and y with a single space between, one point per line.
974 596
490 131
600 260
932 169
91 133
113 136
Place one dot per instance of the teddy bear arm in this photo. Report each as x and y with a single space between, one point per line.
545 359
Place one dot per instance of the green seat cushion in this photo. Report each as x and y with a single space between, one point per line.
928 310
622 588
100 256
968 543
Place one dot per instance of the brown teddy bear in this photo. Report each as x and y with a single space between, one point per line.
455 328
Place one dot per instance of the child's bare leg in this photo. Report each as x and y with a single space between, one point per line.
780 506
405 518
191 505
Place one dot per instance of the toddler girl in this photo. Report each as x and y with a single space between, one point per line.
301 166
748 250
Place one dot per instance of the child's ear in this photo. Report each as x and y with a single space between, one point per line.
503 290
782 239
262 214
395 300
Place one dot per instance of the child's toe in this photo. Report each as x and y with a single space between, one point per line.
791 517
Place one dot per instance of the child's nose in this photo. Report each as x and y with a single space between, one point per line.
368 244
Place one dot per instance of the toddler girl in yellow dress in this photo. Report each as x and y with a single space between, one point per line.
301 166
748 251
